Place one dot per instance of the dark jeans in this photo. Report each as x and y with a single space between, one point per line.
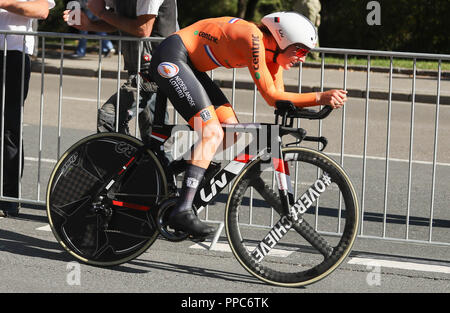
128 93
12 118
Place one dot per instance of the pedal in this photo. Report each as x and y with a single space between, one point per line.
198 239
212 238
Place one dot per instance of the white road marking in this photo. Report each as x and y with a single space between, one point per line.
84 99
42 160
401 265
224 247
44 228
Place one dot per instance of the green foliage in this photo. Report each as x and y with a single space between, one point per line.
54 22
190 11
406 25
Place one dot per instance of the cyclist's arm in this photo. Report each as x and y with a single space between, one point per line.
32 9
269 87
277 77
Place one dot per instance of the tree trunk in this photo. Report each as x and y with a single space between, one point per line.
241 8
251 9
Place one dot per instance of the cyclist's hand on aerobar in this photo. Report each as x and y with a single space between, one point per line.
334 98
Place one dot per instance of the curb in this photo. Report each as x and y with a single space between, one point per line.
354 93
247 85
379 69
50 69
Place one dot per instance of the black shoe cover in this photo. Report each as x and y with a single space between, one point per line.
188 222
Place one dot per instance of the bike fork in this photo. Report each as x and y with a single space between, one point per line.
283 178
289 217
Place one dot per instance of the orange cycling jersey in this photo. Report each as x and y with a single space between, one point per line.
233 43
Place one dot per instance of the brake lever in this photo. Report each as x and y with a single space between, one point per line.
322 140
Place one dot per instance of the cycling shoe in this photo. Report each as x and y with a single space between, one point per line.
189 223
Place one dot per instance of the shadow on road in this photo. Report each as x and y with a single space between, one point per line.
197 271
17 243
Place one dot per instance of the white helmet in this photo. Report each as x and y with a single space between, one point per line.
290 28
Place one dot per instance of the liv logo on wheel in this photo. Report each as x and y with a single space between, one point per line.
168 70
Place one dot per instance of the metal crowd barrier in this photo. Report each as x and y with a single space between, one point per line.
407 221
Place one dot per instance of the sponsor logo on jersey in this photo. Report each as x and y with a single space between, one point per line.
255 55
167 69
182 90
206 36
255 51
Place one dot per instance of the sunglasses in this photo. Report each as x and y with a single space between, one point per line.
301 52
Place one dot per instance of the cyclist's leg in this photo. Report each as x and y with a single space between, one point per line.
176 78
226 115
210 133
224 110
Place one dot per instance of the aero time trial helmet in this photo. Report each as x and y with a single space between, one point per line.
291 28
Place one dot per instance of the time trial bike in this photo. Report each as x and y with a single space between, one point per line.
109 196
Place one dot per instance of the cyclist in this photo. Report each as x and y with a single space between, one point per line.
178 68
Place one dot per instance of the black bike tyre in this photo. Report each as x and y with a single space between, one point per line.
270 276
58 232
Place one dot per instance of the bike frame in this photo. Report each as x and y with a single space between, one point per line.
268 148
266 137
268 140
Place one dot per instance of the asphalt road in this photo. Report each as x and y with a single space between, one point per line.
36 263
